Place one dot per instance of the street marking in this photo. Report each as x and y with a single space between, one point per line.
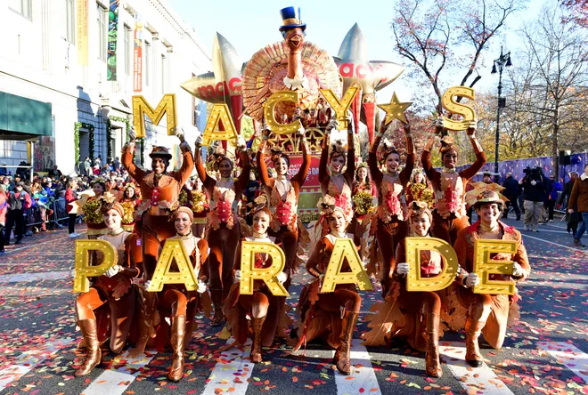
115 382
232 373
39 276
362 373
572 357
28 360
555 244
483 379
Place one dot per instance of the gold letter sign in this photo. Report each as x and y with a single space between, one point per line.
83 271
484 266
342 106
173 250
166 106
220 113
249 273
414 281
270 116
454 107
344 249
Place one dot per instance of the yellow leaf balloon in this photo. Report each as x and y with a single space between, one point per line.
414 281
484 266
249 273
450 104
270 115
342 106
167 106
173 250
220 112
82 258
344 249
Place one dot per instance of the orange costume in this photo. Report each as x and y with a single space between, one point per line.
488 314
449 216
224 231
238 306
391 226
107 309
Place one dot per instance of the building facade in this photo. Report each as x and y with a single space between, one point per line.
56 77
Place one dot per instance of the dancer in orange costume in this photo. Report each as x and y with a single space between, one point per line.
224 231
175 301
449 216
262 303
92 206
159 189
331 314
129 201
113 291
488 314
391 225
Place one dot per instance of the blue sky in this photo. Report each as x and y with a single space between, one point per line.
250 25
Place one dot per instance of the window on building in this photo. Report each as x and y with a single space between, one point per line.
127 49
147 60
23 7
70 21
163 73
102 25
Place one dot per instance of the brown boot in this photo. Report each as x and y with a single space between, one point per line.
178 329
217 300
433 366
342 359
473 330
94 356
257 324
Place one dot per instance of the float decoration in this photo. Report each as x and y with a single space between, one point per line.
82 258
395 109
344 250
249 273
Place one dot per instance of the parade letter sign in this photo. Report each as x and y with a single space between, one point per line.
485 266
166 106
173 250
344 249
454 107
341 107
249 273
219 116
414 281
82 259
270 119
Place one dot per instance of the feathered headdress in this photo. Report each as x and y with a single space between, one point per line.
447 143
108 202
338 148
417 208
99 180
327 206
278 153
387 149
259 204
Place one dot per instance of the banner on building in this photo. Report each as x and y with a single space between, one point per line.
112 40
82 31
138 55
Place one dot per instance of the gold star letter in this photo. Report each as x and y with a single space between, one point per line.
395 109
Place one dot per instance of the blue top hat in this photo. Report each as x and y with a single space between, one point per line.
291 18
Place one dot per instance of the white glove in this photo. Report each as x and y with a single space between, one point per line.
333 124
237 275
147 285
198 141
402 268
73 273
132 134
282 277
241 143
472 280
301 131
517 270
201 287
180 133
533 182
113 271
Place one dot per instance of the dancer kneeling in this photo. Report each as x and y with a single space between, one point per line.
177 302
337 311
488 314
112 297
262 302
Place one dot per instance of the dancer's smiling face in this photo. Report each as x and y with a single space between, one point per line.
261 222
337 222
392 162
337 163
420 224
225 169
489 213
281 166
450 158
112 220
183 224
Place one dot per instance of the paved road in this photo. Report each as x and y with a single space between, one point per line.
544 353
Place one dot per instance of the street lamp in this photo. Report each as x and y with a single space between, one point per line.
498 66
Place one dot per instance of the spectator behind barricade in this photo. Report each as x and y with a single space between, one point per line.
87 166
42 202
116 164
572 219
3 211
18 202
70 197
579 199
533 185
511 191
552 196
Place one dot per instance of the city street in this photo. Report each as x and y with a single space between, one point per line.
546 352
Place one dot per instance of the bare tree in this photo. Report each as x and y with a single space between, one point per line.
429 33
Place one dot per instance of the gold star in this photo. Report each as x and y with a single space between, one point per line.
395 109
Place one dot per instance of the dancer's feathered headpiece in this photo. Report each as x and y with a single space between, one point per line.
447 143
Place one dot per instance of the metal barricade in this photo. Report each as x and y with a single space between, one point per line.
59 213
